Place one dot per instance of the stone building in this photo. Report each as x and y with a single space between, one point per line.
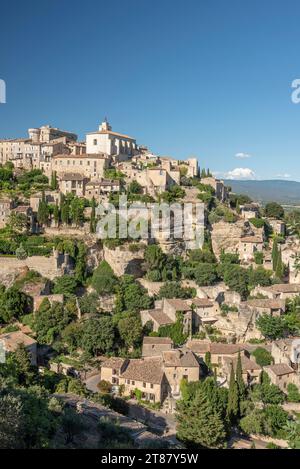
280 291
111 143
11 341
154 346
101 187
281 375
6 206
251 371
248 246
91 166
220 189
73 183
265 306
249 211
157 377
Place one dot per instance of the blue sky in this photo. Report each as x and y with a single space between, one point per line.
205 78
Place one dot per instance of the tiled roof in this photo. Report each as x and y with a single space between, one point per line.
113 362
203 346
202 302
265 303
280 369
184 358
157 340
178 304
12 340
285 287
110 132
148 370
81 157
247 363
160 317
251 239
73 177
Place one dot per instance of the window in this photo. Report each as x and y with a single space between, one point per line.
95 141
151 386
144 385
133 383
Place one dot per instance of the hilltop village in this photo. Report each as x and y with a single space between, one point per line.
204 338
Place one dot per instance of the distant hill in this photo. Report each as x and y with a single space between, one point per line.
283 192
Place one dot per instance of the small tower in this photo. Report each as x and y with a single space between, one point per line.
105 125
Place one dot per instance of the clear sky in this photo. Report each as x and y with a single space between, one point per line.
194 77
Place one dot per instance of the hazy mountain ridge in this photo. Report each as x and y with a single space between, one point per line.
277 190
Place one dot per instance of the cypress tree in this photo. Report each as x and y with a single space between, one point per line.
56 213
239 379
65 213
199 423
43 211
275 254
93 217
279 272
233 398
174 274
53 183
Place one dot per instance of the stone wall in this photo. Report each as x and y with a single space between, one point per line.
226 236
123 261
49 267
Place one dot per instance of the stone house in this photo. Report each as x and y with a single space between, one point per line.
251 371
166 312
112 368
106 141
205 312
280 291
281 375
180 364
154 346
278 226
147 375
10 342
218 351
248 246
249 211
265 306
286 351
6 206
101 187
91 166
157 377
73 183
219 187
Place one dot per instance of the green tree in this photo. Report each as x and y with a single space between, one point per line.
56 213
11 422
293 393
98 336
54 184
199 423
43 211
66 285
274 210
233 398
103 279
130 330
239 379
206 274
21 252
13 304
93 216
262 356
271 327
